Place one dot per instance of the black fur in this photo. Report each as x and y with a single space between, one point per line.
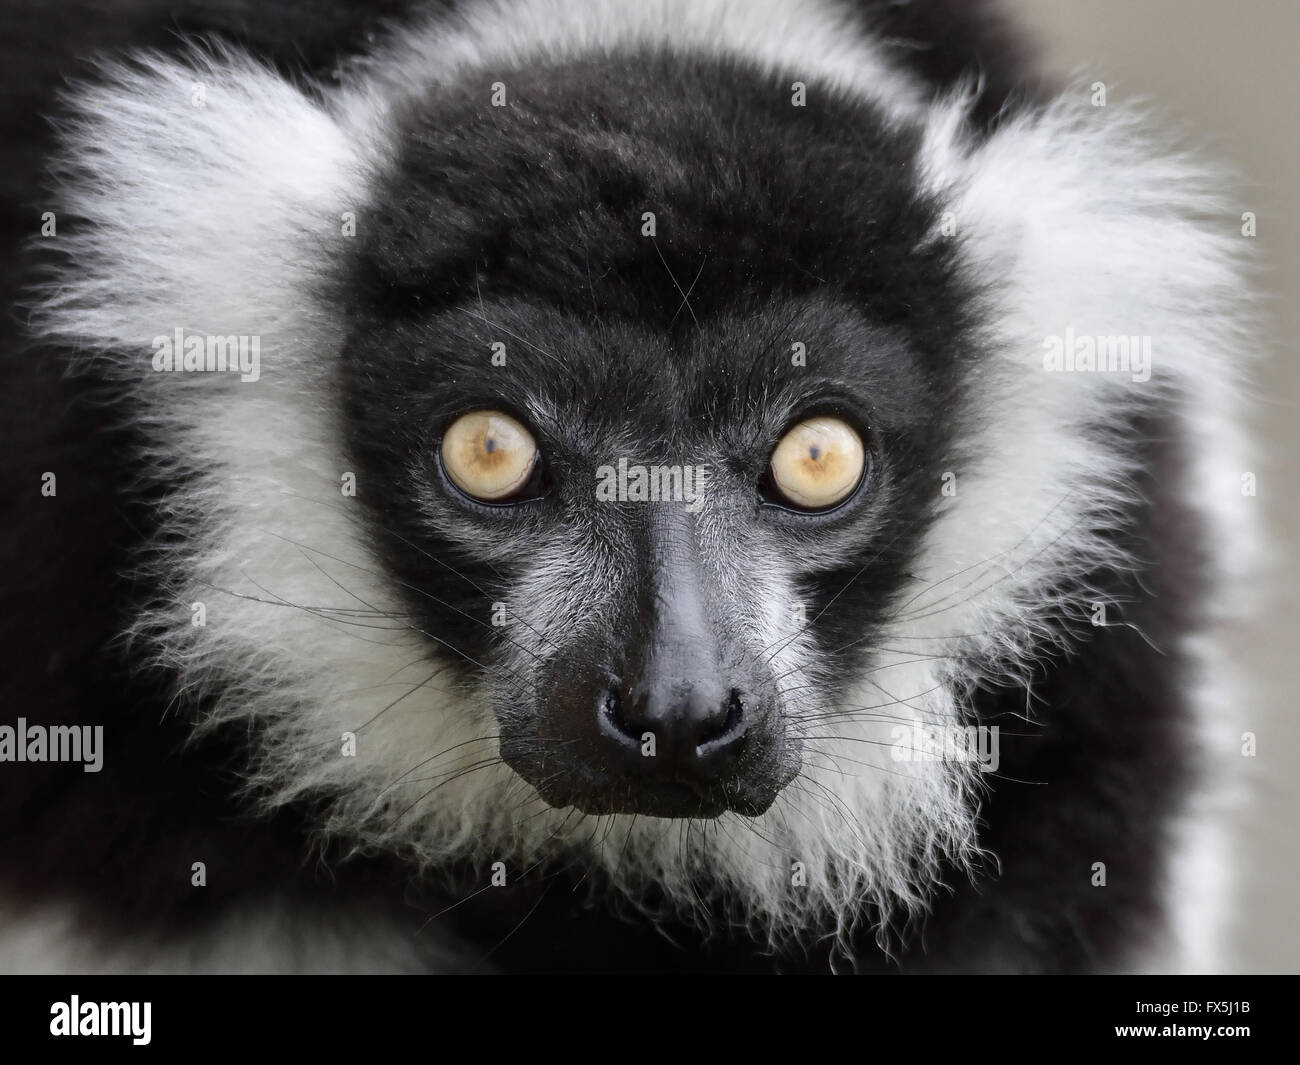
951 43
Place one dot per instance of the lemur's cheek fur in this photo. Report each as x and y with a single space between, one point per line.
698 451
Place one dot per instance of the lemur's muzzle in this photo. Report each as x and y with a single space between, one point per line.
671 721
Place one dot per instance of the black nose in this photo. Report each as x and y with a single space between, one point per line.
690 734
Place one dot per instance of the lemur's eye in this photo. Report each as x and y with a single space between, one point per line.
818 463
489 455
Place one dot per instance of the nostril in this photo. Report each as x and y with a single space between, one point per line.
729 727
611 711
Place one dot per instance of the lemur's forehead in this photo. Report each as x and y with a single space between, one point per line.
742 373
637 187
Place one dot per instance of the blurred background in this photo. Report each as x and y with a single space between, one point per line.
1227 69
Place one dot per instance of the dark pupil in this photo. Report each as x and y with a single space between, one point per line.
489 445
815 452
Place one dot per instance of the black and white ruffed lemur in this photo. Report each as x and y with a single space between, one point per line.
607 485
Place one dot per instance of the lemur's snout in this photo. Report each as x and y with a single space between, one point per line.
678 718
666 712
677 742
695 730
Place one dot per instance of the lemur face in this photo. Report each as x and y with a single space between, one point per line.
680 481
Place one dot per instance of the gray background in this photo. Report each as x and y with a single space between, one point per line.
1228 70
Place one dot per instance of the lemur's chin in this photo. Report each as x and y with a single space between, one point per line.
668 800
658 776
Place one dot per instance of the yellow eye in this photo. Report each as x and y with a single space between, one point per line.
488 455
818 463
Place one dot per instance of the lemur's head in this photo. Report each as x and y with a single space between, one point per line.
648 439
650 446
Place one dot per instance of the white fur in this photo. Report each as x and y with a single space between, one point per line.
1090 217
278 935
216 218
814 39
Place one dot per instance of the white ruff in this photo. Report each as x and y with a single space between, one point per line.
217 218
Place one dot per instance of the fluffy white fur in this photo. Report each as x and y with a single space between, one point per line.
793 41
217 218
278 936
1065 212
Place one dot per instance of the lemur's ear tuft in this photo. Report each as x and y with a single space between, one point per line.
200 193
